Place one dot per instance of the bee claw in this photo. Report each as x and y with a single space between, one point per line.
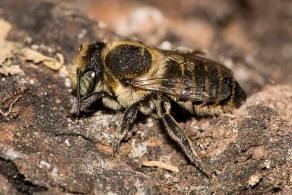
116 145
199 165
206 173
115 148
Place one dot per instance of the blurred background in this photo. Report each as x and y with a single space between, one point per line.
251 37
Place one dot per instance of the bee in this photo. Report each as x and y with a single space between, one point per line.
130 76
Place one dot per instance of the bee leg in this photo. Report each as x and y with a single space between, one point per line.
128 119
178 135
145 106
110 102
86 102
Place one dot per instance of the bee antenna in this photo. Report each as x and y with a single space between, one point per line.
78 93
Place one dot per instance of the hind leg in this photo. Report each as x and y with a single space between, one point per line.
178 135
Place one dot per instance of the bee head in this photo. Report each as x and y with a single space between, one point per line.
86 70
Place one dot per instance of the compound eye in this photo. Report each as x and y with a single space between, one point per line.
87 82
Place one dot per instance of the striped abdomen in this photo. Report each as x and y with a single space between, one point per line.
203 81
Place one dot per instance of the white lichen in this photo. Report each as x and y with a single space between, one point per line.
11 154
45 164
253 180
138 150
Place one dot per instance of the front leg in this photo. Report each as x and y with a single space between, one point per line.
85 103
178 135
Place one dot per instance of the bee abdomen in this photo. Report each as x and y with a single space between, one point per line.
207 82
213 85
216 86
230 92
239 95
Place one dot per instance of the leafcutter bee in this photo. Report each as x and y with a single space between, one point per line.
137 78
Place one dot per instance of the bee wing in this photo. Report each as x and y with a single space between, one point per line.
156 84
180 87
172 86
185 87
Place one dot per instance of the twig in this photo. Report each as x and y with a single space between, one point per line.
160 165
10 106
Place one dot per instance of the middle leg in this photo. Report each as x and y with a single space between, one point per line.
130 115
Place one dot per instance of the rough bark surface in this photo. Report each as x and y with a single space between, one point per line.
44 151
